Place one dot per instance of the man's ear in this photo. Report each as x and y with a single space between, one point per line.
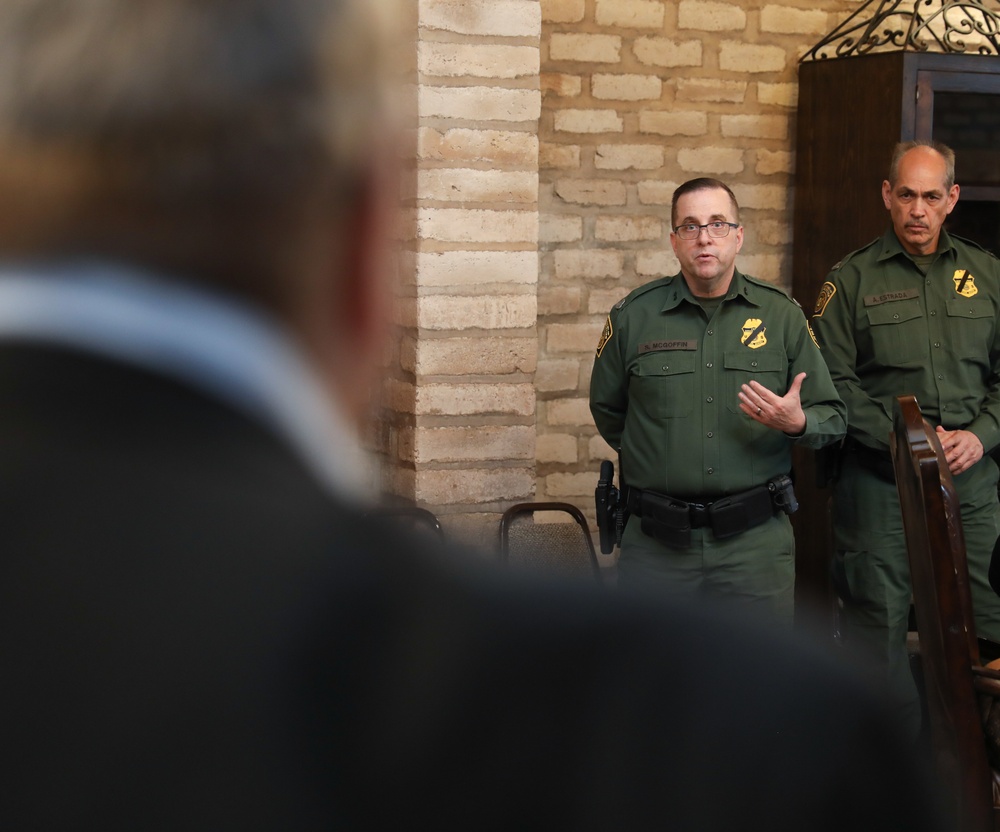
887 194
953 198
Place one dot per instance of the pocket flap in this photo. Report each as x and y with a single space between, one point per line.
894 313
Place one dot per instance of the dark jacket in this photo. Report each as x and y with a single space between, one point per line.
195 635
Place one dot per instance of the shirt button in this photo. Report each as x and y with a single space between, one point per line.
710 434
895 317
933 313
709 400
937 343
711 470
709 365
711 332
940 377
665 367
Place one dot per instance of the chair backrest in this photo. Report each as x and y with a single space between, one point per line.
935 542
548 536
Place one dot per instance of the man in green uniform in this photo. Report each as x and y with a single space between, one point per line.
915 312
704 380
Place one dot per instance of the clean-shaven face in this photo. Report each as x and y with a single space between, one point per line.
707 262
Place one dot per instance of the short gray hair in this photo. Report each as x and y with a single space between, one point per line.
902 148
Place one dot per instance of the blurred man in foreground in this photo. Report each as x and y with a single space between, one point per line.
198 627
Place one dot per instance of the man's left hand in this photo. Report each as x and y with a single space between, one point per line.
962 449
782 413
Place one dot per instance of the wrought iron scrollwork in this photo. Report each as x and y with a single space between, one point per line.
955 26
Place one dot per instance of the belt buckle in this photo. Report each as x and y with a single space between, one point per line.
699 515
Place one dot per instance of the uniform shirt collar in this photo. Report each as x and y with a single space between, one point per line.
739 287
890 245
227 349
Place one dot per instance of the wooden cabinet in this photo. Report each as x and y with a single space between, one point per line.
852 111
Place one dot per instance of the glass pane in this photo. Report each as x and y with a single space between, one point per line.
977 220
969 123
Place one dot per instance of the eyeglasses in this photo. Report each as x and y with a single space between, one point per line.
691 231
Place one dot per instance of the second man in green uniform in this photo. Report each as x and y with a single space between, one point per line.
915 312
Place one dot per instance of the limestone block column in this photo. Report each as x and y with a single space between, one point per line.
459 429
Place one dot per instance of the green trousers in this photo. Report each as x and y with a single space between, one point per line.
873 570
755 569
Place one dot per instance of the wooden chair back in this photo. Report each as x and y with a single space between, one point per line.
942 599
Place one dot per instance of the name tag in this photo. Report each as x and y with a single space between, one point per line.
663 346
888 297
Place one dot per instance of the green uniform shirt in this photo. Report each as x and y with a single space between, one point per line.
888 330
665 386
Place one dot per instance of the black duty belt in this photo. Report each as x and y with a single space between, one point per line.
671 519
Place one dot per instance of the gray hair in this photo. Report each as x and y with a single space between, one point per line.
902 148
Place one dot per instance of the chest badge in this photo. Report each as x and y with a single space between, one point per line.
754 333
965 283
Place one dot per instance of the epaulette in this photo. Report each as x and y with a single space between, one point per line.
641 290
757 281
856 251
974 244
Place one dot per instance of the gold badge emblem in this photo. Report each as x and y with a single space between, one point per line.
965 283
605 336
754 333
826 293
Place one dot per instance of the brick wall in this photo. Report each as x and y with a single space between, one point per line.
550 136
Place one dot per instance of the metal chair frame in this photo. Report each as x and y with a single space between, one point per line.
520 509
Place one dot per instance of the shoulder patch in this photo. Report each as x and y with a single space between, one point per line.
826 293
812 334
605 336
